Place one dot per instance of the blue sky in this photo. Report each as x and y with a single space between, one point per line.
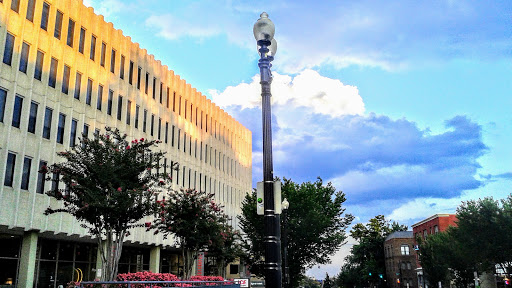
403 105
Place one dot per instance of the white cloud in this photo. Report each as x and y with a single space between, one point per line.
107 8
308 89
172 28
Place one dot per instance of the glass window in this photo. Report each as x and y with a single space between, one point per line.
128 111
53 73
3 96
88 96
44 16
137 116
32 117
9 46
100 97
71 32
166 131
138 77
161 88
78 84
147 83
144 120
121 69
16 113
15 5
154 88
179 138
172 136
30 10
58 25
24 57
404 249
174 102
152 123
65 79
60 128
9 169
109 101
25 176
103 51
72 135
92 54
38 72
167 99
112 60
119 107
41 177
81 41
130 75
159 127
85 133
47 127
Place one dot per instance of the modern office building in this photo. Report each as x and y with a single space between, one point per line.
65 72
400 260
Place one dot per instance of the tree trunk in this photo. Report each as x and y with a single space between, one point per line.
110 251
188 261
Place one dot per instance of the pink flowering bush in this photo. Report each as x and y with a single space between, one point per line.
147 276
109 187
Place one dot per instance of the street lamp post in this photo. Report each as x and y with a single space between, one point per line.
286 276
264 31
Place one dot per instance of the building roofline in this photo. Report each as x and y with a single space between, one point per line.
431 218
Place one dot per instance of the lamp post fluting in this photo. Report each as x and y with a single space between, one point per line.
264 33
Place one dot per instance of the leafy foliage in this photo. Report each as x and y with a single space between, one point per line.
316 227
196 221
366 259
109 188
478 243
226 247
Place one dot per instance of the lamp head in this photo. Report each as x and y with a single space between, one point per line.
285 204
264 28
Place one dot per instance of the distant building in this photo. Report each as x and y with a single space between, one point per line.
432 225
400 260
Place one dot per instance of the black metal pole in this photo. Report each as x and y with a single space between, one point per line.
286 275
273 272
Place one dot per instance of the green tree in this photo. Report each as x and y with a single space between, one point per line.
316 227
109 188
327 281
366 260
194 219
478 243
226 247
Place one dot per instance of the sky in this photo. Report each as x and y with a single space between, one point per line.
405 106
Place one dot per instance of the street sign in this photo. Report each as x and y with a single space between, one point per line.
244 283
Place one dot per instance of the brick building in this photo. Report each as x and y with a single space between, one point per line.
400 260
432 225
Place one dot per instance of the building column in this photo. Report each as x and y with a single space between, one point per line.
28 260
154 259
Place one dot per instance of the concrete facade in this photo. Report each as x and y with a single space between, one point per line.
64 72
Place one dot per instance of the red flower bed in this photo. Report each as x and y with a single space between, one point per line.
207 279
147 276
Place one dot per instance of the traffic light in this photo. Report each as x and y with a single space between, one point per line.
380 276
507 282
370 273
398 281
